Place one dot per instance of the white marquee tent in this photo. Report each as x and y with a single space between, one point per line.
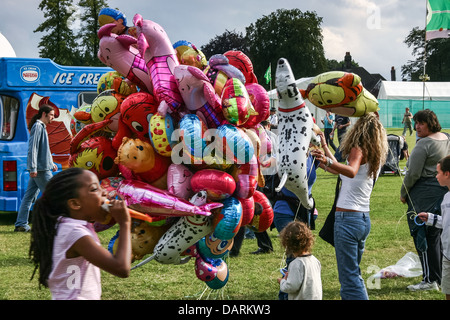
6 50
395 96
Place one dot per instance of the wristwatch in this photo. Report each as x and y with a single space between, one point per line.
329 162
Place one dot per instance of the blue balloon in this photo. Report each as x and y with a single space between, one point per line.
229 219
236 143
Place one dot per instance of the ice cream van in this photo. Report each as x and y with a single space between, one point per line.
25 84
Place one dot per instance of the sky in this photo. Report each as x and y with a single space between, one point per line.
372 31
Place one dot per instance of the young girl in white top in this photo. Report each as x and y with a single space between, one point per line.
365 147
302 281
443 222
64 246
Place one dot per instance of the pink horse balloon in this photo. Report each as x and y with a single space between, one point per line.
161 59
145 198
117 52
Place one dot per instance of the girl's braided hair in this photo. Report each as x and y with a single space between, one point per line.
45 216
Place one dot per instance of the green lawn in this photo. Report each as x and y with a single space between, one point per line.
251 276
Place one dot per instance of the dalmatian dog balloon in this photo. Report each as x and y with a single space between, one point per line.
295 125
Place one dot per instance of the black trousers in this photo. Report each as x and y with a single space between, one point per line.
426 196
262 239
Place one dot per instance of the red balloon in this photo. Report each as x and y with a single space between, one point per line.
263 216
248 209
218 185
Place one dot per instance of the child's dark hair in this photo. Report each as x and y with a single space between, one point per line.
296 238
45 108
46 211
445 164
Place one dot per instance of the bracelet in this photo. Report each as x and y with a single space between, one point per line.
329 162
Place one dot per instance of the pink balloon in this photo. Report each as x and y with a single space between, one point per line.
117 52
260 101
145 198
179 181
160 58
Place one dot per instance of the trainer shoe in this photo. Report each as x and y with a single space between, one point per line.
423 286
22 229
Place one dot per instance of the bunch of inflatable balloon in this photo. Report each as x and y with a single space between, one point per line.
179 139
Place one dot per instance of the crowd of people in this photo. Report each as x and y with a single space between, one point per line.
61 233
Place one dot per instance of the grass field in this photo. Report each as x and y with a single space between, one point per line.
252 277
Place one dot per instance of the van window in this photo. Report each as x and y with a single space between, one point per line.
9 108
86 98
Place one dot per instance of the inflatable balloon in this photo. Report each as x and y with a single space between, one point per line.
144 238
220 62
179 181
192 131
83 115
266 143
112 80
145 164
204 271
161 59
228 220
106 106
246 176
145 198
135 113
341 93
221 278
239 60
183 234
295 125
248 210
161 129
117 52
260 101
263 215
199 95
218 184
232 145
188 54
236 104
95 154
110 185
212 247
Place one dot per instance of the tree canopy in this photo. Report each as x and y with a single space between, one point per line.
291 34
436 53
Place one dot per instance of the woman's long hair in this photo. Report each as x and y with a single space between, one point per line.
46 211
369 135
45 108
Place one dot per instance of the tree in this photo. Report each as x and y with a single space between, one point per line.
88 32
229 40
59 44
437 57
290 34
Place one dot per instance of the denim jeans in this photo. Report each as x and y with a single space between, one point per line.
35 185
350 233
